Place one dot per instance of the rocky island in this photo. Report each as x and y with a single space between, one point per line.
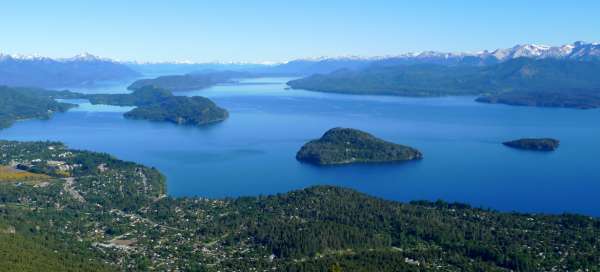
539 144
346 145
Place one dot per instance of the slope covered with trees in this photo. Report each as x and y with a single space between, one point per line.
105 213
181 110
523 81
158 104
27 103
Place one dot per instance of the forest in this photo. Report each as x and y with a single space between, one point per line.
108 214
520 81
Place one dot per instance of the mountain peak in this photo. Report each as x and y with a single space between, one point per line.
85 56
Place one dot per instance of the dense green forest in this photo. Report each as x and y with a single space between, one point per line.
27 103
523 81
346 145
100 213
181 110
152 103
158 104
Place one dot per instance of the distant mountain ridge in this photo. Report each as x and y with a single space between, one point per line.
580 51
38 71
546 82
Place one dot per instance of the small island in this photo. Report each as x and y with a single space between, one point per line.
181 110
346 146
539 144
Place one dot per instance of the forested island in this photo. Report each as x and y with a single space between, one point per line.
346 146
27 103
85 211
154 104
521 81
158 104
536 144
181 110
192 81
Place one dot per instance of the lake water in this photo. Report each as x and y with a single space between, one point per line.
253 152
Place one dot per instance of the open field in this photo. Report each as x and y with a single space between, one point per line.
10 174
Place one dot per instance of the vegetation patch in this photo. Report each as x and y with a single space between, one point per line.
10 174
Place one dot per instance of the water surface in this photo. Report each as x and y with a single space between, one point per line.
253 152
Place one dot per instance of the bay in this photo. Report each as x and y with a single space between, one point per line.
253 152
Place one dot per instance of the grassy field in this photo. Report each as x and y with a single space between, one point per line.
9 174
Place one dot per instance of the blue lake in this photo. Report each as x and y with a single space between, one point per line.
253 152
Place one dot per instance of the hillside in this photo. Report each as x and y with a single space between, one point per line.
114 212
27 103
563 79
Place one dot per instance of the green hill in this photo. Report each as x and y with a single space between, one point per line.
520 81
181 110
27 103
158 104
115 212
346 145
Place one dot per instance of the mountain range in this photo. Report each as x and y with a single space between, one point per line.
84 69
37 71
580 51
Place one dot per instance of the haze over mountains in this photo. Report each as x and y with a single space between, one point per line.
37 71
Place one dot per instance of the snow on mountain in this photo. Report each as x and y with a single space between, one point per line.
86 57
83 57
577 51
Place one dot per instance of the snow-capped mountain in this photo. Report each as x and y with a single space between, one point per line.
87 57
35 70
575 51
38 71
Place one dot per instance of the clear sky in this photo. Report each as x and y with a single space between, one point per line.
261 30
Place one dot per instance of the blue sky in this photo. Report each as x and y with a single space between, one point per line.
261 30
